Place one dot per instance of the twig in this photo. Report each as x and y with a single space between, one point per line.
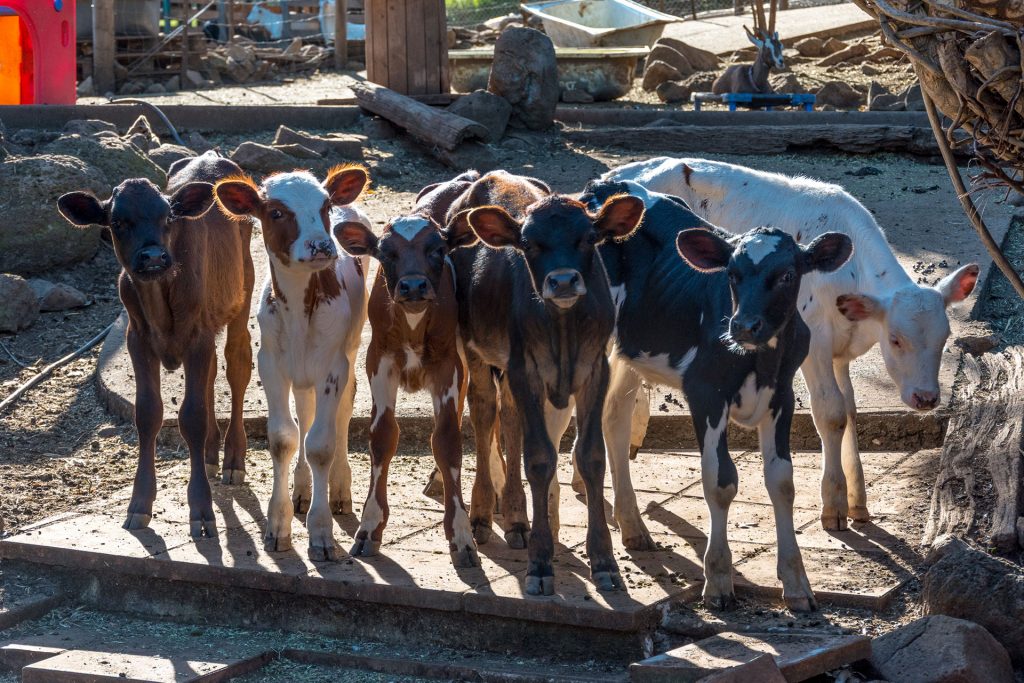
965 200
11 354
45 372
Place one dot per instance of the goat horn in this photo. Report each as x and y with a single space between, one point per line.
759 20
771 16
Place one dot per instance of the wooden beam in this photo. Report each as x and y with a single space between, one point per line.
103 45
340 34
436 127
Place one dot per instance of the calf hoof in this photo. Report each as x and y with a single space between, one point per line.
608 581
202 528
137 520
831 521
722 602
212 470
465 557
326 552
579 487
540 585
517 536
364 547
233 477
300 504
341 506
642 542
801 603
435 486
481 530
277 544
860 514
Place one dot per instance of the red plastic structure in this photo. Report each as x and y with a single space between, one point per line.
37 52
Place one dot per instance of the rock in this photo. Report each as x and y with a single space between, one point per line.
657 73
887 103
833 45
487 109
254 157
869 70
20 305
786 82
672 92
885 54
839 94
156 89
941 649
576 96
198 143
669 55
846 55
978 344
811 47
141 134
876 89
86 88
345 146
173 84
912 98
865 171
56 296
33 235
89 127
166 154
131 88
195 78
298 151
968 584
524 72
118 159
376 128
700 60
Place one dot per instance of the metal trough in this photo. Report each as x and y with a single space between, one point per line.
599 23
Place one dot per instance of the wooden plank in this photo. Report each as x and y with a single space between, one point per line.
415 48
340 34
431 36
377 28
103 45
397 52
442 45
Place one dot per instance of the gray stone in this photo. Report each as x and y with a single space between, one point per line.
941 649
811 47
847 55
298 151
198 143
118 159
33 235
86 88
876 89
786 83
833 45
840 95
195 78
700 60
912 98
869 70
56 296
173 84
525 73
345 146
20 308
254 157
166 154
669 55
487 109
887 103
156 89
658 72
142 131
31 137
89 127
672 92
968 584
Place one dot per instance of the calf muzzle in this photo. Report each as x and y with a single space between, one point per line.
564 287
414 289
151 262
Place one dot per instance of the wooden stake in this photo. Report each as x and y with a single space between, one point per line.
340 34
104 46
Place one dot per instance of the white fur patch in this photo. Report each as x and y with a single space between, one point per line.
684 363
413 361
381 389
409 226
758 247
753 402
658 369
414 319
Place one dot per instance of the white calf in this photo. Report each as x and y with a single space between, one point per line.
311 316
871 300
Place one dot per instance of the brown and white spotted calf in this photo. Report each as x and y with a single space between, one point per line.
414 316
311 317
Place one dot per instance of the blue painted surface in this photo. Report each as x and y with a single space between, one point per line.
805 100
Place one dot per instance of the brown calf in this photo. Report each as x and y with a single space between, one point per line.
185 275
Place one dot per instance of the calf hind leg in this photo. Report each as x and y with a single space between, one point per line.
830 421
193 422
483 411
513 496
302 486
341 471
856 493
212 447
238 358
282 441
321 445
383 444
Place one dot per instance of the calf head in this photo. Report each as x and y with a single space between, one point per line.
558 239
294 210
140 220
764 267
913 329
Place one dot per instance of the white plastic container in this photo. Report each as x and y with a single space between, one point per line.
600 23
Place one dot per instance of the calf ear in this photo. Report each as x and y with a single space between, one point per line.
459 233
191 200
238 197
619 217
494 226
344 184
82 209
959 284
356 239
827 252
857 307
703 250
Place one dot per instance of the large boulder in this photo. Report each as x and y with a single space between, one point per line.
256 158
848 55
673 57
487 109
56 296
680 91
116 158
167 153
33 235
811 47
20 306
658 72
700 60
839 94
968 584
941 649
525 73
786 82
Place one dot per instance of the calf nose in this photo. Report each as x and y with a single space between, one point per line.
322 249
564 283
925 400
152 259
414 288
747 329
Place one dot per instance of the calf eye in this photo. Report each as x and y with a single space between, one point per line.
896 342
276 214
786 278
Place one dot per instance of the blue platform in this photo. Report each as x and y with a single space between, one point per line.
758 100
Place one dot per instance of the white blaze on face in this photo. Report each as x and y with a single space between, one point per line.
302 193
409 226
759 246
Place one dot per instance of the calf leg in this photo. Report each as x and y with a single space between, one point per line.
513 496
773 433
556 420
720 481
483 411
302 487
321 444
282 440
637 432
238 358
211 450
383 444
856 493
830 421
446 445
341 471
193 423
619 405
149 415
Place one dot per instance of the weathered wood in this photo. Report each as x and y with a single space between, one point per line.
433 126
742 139
340 34
103 45
979 488
998 61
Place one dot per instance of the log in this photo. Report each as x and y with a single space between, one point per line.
861 139
435 127
978 489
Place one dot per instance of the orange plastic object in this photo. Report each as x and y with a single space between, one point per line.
37 52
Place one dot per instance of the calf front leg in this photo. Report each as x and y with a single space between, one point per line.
341 471
446 445
321 444
211 450
856 493
483 411
720 480
149 416
193 423
383 444
556 421
830 421
238 359
513 496
302 485
282 441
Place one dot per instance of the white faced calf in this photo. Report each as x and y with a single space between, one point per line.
311 316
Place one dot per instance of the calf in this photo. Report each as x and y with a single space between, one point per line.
311 316
414 317
534 305
733 344
186 274
871 300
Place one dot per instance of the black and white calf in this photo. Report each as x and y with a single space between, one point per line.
721 325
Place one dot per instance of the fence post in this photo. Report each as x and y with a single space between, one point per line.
104 45
340 34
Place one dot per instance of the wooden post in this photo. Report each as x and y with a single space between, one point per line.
407 46
104 46
286 20
340 34
184 48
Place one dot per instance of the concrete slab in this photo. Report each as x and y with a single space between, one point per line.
799 656
83 666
